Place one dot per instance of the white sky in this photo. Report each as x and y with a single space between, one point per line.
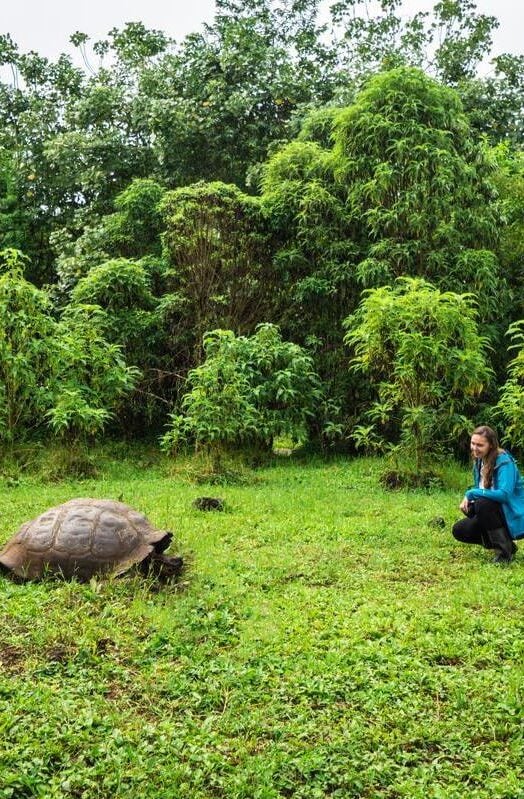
46 25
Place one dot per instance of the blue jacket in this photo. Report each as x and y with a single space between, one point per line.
507 488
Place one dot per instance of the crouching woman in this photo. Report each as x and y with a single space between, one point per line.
494 507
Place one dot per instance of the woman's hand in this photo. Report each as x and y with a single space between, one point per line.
464 505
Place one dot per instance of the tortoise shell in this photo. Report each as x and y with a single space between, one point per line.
81 538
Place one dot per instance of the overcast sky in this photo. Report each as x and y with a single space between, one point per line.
46 25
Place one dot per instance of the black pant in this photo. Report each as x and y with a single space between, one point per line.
487 515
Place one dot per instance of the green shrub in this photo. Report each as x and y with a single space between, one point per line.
248 391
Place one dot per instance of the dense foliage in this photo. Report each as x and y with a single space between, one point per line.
249 391
427 360
65 373
265 171
511 402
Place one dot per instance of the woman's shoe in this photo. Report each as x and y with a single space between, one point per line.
503 544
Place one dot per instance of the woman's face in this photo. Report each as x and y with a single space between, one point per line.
480 446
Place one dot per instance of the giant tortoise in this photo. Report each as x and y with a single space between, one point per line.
84 537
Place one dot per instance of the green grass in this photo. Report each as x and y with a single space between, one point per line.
324 642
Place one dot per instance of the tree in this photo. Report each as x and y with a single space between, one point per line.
27 336
422 349
132 323
15 220
31 114
76 139
315 247
217 103
494 103
217 246
509 182
510 407
133 231
418 185
450 41
65 373
90 377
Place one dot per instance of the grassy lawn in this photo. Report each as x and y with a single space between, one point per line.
325 641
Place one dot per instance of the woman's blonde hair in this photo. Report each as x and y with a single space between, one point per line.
489 461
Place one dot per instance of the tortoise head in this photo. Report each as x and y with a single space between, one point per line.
164 543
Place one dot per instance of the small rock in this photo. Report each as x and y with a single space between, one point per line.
208 503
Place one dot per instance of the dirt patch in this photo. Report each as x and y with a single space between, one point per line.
11 657
58 653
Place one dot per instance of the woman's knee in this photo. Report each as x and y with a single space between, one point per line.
468 531
489 512
483 505
460 530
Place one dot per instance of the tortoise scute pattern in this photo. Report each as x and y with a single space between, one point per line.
81 537
38 534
